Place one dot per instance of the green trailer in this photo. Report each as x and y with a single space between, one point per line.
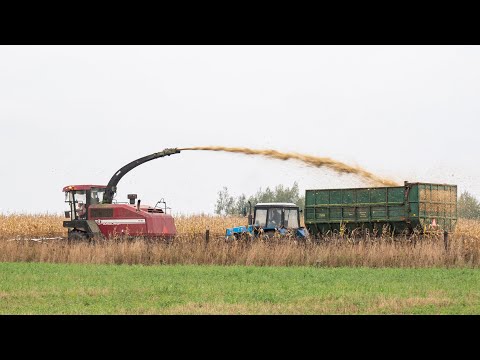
422 206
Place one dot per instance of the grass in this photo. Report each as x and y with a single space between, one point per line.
40 288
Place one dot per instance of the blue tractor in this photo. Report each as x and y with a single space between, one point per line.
270 219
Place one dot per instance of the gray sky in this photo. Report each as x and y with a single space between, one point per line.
76 114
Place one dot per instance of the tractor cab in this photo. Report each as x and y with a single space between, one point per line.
80 197
269 219
272 216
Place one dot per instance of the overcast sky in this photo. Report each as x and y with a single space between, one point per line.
76 114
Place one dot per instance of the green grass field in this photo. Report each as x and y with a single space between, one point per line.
41 288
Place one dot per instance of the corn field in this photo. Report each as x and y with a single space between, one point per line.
33 238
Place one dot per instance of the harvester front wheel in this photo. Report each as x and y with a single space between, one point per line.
77 235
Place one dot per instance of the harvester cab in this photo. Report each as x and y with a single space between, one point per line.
270 219
80 197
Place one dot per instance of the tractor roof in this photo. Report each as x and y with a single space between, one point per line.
82 187
279 204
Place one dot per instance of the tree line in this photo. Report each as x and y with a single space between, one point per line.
230 205
468 207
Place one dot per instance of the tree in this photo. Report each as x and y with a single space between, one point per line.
468 207
225 203
240 203
228 205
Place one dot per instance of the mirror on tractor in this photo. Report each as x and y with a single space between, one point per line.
132 198
67 214
244 211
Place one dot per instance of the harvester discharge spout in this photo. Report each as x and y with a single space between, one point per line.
112 184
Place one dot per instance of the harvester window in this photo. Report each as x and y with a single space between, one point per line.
96 196
80 203
81 210
274 218
261 217
80 196
291 218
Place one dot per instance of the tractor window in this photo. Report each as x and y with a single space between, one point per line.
260 217
291 218
274 218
